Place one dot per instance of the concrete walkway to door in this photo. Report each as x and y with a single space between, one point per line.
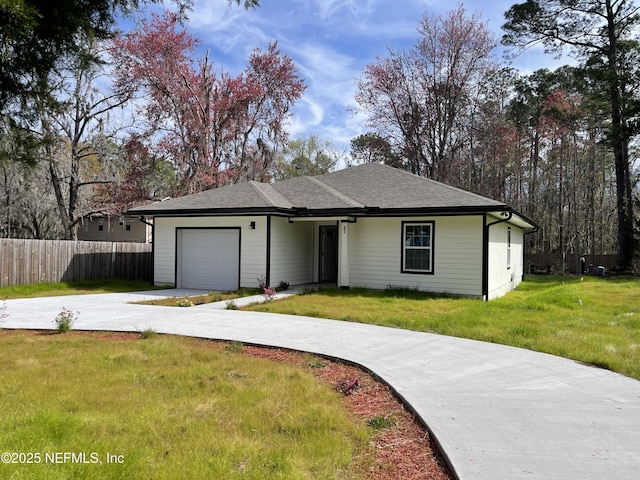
498 413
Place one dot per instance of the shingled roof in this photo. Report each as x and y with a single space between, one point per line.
370 188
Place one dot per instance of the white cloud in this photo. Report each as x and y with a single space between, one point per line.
307 114
329 8
325 66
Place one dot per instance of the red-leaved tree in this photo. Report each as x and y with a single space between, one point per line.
216 128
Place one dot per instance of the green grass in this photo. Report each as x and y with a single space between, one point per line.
593 320
192 300
51 289
170 408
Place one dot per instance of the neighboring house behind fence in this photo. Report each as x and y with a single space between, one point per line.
114 228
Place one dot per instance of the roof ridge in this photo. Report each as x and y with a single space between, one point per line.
451 187
261 187
336 193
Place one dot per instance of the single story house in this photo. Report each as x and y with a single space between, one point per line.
369 226
114 228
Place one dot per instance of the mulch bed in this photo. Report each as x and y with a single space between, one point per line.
402 451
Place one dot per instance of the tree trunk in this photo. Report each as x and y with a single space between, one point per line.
57 188
7 204
626 240
620 140
74 188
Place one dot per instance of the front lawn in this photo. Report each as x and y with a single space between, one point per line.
592 319
165 408
52 289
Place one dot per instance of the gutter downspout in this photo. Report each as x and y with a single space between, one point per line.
485 253
143 220
153 250
268 259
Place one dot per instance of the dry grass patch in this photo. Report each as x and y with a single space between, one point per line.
193 300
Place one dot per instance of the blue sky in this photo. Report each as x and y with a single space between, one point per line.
331 41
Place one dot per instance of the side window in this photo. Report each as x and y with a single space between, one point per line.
417 247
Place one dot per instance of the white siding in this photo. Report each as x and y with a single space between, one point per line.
375 248
291 252
504 277
374 251
253 251
517 255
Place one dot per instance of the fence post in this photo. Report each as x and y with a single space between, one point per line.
113 261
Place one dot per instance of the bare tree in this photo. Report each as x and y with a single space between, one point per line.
71 133
417 99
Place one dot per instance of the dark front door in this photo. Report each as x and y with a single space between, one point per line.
329 254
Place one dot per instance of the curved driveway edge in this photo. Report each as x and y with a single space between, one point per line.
497 412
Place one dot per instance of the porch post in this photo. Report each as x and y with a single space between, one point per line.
343 255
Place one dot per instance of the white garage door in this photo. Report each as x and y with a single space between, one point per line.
209 259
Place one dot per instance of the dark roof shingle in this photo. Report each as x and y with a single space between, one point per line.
370 185
376 185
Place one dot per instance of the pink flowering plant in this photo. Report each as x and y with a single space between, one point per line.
262 282
348 386
268 293
65 320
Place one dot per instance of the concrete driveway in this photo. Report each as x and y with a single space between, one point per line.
497 412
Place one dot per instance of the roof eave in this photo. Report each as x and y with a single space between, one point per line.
524 219
207 212
452 210
325 212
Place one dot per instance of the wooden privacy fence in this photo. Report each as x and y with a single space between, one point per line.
31 261
541 262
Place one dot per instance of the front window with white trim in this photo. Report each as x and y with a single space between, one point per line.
417 247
